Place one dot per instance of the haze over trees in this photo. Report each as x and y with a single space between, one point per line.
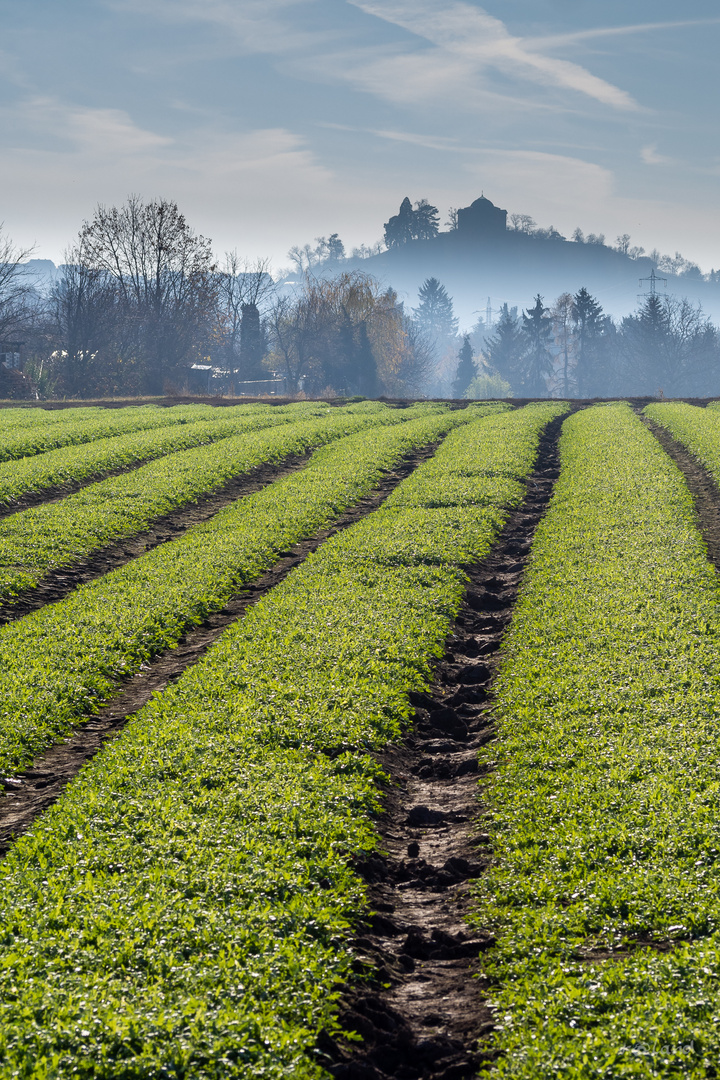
164 283
466 370
347 333
17 303
242 290
142 306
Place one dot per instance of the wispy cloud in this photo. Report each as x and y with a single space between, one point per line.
650 156
411 138
572 38
479 42
77 128
219 177
254 26
465 49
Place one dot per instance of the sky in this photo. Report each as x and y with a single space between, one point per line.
272 122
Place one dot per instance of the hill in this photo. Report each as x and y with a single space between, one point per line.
483 258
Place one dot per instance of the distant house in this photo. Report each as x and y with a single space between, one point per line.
481 219
10 353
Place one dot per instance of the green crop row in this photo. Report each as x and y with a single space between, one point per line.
88 461
184 909
37 541
26 441
13 420
16 418
697 429
59 662
603 807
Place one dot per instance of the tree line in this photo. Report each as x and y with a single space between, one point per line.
574 349
142 307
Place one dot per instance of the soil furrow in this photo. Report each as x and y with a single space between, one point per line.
32 791
422 1014
702 485
60 583
58 492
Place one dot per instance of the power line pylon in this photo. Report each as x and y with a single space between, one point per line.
653 280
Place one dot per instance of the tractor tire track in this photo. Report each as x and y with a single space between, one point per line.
31 791
422 1013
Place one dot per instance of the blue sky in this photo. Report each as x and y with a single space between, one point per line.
272 122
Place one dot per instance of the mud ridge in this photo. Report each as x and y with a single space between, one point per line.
703 487
420 1009
30 792
57 585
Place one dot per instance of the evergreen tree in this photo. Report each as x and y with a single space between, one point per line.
253 345
399 229
653 358
366 372
668 345
590 323
537 363
505 348
435 314
466 369
408 224
329 248
426 219
335 247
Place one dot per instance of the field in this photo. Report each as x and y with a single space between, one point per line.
360 741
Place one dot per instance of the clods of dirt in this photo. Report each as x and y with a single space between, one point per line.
421 1012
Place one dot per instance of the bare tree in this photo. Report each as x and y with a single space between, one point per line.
291 324
522 223
366 251
16 288
165 278
84 307
244 288
303 258
563 314
344 332
327 249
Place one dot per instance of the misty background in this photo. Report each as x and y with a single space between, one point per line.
291 132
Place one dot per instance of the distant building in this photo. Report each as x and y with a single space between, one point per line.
10 353
481 219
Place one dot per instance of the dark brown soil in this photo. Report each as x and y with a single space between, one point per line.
703 488
29 793
220 402
422 1012
58 584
